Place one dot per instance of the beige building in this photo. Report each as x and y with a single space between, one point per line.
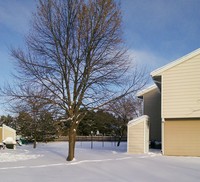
175 101
138 135
152 108
5 132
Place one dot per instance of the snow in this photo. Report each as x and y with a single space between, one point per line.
12 157
9 140
104 162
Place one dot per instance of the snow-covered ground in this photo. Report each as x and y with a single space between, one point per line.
104 162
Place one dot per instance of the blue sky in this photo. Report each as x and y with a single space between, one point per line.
15 18
155 31
159 31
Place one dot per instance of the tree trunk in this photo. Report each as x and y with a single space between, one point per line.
119 140
120 137
34 143
72 141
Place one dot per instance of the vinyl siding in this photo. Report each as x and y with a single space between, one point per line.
0 134
146 136
181 90
152 108
9 132
182 137
136 138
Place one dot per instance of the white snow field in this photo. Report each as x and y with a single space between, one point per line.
47 163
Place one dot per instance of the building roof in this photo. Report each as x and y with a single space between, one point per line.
159 71
146 90
138 120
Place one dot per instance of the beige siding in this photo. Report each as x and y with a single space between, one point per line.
136 138
8 132
138 135
146 136
1 134
181 90
182 137
152 108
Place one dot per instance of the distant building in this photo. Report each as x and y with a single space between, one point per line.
7 133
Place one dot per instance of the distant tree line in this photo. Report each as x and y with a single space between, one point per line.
42 130
112 121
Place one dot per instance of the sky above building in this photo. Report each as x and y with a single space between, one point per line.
156 32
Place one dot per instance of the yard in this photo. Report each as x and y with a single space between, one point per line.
104 162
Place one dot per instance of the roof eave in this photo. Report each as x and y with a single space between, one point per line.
159 71
146 90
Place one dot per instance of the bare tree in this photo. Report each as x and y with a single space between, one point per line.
75 51
124 110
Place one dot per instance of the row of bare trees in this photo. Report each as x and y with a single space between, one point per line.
74 61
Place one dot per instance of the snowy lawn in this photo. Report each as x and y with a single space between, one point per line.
104 162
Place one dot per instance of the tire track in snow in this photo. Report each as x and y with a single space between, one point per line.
64 164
